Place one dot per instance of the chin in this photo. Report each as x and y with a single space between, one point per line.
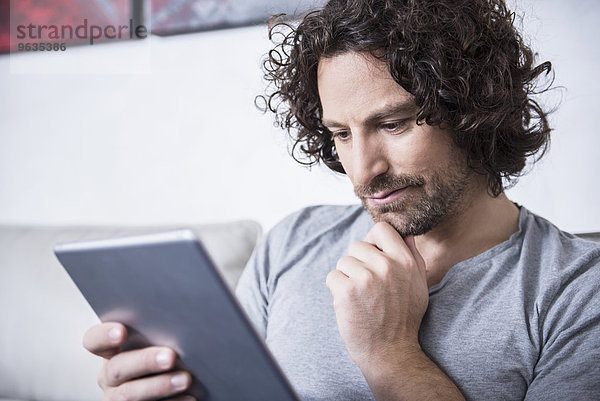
396 220
405 225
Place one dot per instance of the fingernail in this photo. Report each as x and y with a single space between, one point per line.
179 381
115 334
163 358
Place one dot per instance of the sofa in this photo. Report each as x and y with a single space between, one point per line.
44 317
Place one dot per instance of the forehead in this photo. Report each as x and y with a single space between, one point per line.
353 86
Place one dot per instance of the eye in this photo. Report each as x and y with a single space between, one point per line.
393 126
342 136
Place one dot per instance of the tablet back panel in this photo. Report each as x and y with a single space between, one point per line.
165 288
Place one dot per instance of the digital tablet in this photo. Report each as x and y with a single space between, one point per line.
168 292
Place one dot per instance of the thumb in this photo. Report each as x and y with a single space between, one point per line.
410 242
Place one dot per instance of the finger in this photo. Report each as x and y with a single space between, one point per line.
365 251
353 268
153 387
410 243
335 281
129 365
386 238
105 339
344 264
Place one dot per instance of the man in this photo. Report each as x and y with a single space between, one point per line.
441 287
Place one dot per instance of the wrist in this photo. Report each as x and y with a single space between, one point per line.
406 373
393 363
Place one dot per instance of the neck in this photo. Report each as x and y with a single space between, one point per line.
484 223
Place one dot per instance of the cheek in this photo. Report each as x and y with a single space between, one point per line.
435 148
410 155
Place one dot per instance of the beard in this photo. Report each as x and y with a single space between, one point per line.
427 202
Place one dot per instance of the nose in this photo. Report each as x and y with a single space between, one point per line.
368 159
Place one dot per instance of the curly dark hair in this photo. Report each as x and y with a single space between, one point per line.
464 62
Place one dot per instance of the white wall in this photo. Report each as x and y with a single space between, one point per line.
184 143
564 186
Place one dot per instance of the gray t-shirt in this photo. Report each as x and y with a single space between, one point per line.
519 321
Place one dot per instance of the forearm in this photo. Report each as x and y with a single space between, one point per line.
409 375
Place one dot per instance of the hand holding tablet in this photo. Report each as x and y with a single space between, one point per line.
172 301
138 374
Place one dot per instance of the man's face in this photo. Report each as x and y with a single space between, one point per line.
411 176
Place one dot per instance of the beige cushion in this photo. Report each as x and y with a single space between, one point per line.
44 316
590 236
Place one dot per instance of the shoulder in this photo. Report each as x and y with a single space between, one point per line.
564 323
564 268
559 251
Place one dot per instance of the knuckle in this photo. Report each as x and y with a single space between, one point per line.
342 261
361 277
364 277
113 372
354 247
380 226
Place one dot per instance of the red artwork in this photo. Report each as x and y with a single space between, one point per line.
40 25
61 21
4 26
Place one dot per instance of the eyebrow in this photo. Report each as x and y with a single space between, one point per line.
384 112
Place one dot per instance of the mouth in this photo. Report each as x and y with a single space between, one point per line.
383 198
